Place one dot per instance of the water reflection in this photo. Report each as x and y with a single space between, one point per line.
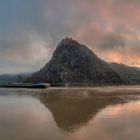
67 114
73 108
26 118
118 122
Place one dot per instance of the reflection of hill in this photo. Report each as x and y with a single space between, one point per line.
71 108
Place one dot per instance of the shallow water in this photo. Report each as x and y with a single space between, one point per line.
102 113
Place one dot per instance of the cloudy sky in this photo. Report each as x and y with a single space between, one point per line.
30 30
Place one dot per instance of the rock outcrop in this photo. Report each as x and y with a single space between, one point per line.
74 63
131 75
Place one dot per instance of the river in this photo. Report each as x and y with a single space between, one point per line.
70 113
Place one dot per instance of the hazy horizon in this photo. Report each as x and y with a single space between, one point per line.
30 30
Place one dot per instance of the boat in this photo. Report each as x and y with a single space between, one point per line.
40 85
25 85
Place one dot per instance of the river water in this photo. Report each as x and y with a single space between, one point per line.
101 113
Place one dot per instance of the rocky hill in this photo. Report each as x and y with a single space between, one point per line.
74 63
11 78
130 75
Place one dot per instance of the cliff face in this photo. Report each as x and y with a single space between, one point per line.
74 63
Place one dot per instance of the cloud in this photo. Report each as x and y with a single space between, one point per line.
111 41
31 29
25 51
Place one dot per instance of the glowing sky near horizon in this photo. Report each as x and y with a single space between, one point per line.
30 30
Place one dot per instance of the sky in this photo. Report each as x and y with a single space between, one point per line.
31 29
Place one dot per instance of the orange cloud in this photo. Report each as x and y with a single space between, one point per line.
119 55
